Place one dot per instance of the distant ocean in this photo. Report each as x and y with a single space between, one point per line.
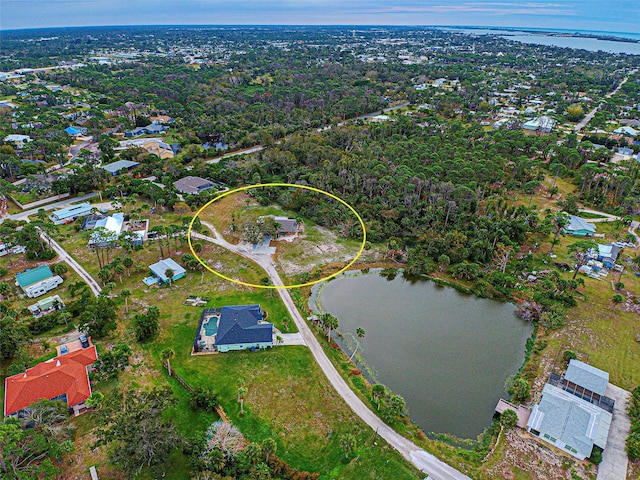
569 38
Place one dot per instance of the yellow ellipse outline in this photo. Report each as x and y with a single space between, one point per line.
293 185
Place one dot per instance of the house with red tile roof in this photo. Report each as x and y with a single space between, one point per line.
64 377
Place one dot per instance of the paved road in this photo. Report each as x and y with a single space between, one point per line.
259 148
589 116
614 457
62 254
65 257
51 206
424 461
607 216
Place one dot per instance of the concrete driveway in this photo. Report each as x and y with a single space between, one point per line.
614 457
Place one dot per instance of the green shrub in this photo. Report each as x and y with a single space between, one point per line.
596 455
568 355
203 399
617 298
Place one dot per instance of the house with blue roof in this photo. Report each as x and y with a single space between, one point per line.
237 327
74 131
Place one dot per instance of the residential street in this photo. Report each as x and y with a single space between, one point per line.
65 257
426 462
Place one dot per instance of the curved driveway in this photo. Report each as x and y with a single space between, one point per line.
426 462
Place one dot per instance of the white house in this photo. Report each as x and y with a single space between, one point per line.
18 140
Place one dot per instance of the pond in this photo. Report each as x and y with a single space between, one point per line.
448 354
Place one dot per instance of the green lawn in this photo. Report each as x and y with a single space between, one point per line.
290 400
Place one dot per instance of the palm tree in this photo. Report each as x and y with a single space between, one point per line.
169 273
4 289
242 391
269 446
105 275
167 354
560 222
119 269
128 263
360 333
126 294
378 391
201 266
330 323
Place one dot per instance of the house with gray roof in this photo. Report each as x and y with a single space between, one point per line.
193 185
569 422
159 270
574 414
237 327
120 166
285 226
587 376
579 227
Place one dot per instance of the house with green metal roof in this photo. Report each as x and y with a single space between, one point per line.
46 306
38 281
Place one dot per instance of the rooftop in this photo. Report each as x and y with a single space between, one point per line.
115 167
159 269
570 419
587 376
193 185
62 375
239 324
34 275
577 223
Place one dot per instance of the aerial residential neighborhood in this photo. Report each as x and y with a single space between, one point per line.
298 252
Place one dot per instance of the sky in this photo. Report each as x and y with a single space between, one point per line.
600 15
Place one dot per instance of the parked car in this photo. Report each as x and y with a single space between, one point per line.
84 341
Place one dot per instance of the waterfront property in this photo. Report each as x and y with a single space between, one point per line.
237 327
37 281
64 377
579 227
574 414
69 214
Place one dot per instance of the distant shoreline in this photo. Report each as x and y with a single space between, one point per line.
626 37
597 35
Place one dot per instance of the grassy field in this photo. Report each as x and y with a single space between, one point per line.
289 397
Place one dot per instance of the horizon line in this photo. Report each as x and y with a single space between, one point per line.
302 25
